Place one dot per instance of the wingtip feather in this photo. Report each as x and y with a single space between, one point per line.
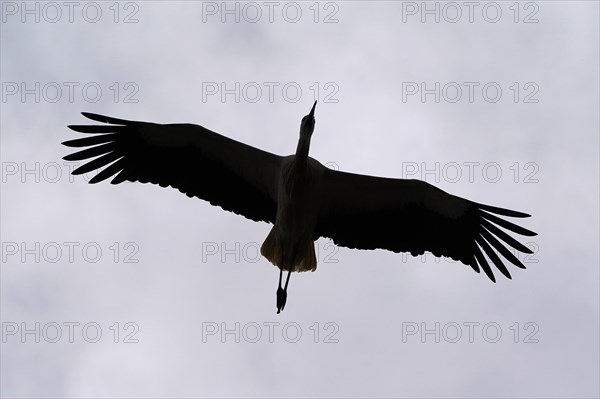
493 257
506 224
484 263
94 117
503 211
106 119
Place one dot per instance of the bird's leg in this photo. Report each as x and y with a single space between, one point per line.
287 281
281 294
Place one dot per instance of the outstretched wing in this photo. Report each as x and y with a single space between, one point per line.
368 212
196 161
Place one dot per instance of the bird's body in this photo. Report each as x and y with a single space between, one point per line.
303 199
290 245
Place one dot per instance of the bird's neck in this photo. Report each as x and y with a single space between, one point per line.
303 147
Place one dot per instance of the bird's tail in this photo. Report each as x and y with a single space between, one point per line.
304 260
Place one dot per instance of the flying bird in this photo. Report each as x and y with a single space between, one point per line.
303 199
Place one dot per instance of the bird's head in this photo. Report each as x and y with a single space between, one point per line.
308 123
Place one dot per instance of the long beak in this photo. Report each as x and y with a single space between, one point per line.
312 111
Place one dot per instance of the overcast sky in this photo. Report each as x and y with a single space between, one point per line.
496 102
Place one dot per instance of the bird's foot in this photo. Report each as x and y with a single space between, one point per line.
281 298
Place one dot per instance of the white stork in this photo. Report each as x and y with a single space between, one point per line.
303 199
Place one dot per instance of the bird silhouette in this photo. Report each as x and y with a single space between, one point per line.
303 199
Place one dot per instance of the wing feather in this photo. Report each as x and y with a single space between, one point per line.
196 161
88 141
413 216
91 152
